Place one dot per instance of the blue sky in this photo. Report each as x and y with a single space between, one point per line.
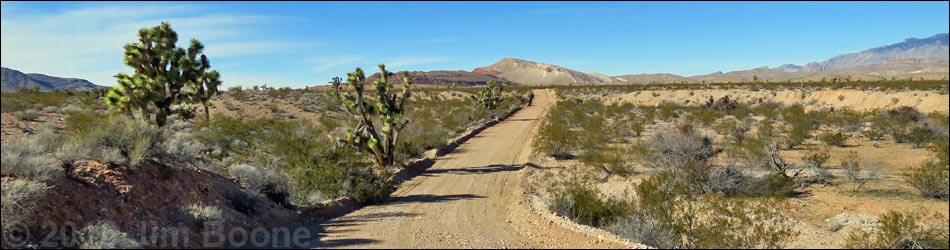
307 43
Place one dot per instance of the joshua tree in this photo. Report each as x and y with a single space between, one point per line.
387 105
490 97
162 71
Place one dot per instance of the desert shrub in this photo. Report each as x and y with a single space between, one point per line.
860 171
729 181
941 148
337 172
77 122
200 213
32 99
27 159
919 136
27 115
583 205
833 139
554 138
765 129
19 196
706 117
238 93
680 151
264 181
845 119
834 225
749 153
796 136
665 214
931 179
136 140
732 129
51 109
290 148
105 235
873 133
900 231
816 158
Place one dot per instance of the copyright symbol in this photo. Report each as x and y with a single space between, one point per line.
17 236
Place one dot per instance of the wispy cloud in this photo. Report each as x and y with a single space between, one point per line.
87 42
321 64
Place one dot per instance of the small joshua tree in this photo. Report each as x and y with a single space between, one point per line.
490 97
387 105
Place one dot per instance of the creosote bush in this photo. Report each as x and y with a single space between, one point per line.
18 198
931 179
105 235
900 231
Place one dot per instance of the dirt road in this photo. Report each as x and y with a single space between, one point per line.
470 198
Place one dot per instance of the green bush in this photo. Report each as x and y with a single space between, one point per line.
583 205
816 158
833 139
732 129
555 138
932 179
29 99
797 135
942 149
919 137
900 231
105 235
666 214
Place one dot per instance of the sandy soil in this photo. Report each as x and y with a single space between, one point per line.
471 198
924 101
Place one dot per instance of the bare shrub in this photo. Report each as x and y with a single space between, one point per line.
19 196
860 171
105 235
680 151
816 158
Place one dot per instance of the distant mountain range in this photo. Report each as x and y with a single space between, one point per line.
914 58
14 80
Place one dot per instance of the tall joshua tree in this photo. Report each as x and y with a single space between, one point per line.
162 73
388 107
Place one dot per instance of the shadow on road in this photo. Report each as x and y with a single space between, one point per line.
476 170
428 198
